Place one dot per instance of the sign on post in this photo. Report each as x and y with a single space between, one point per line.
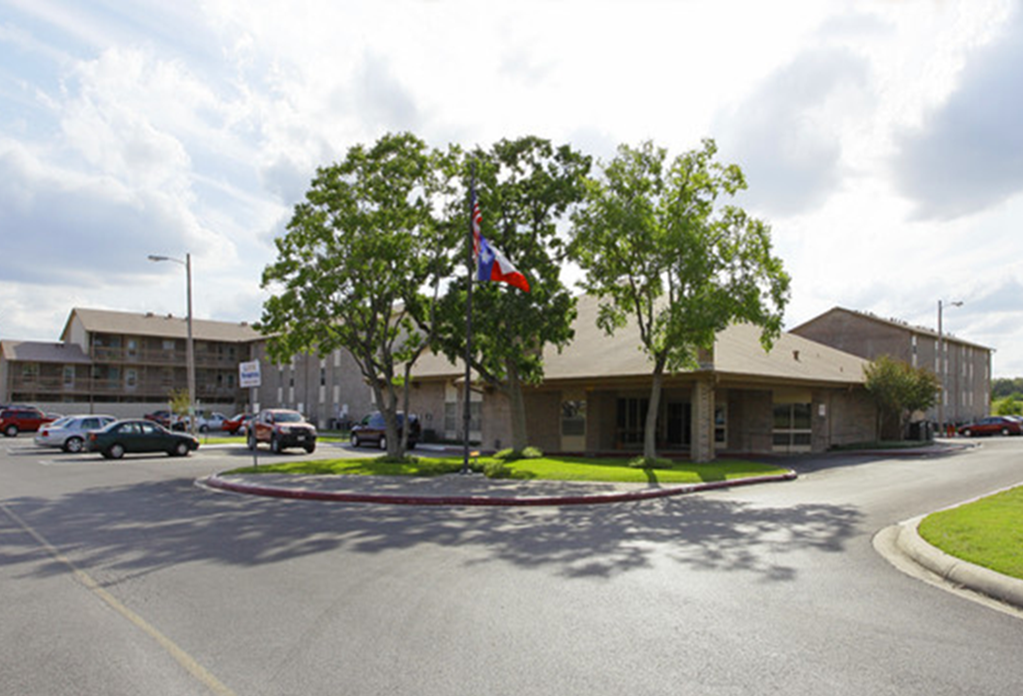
248 374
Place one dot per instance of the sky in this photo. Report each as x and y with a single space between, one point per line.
881 141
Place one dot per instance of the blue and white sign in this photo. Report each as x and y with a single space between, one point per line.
248 374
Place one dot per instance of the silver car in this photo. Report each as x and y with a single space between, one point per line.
70 432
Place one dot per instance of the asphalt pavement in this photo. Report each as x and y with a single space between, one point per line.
474 489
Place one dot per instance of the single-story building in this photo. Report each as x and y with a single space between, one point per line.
800 396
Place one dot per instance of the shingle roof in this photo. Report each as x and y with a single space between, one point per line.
149 324
43 352
737 352
896 323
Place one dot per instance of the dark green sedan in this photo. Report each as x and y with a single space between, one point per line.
126 436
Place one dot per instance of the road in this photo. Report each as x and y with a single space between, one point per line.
125 578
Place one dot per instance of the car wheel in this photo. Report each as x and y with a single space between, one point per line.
74 445
275 444
1005 432
968 433
310 448
204 428
383 442
180 449
355 440
11 431
116 450
411 444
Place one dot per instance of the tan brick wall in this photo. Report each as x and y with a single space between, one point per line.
750 420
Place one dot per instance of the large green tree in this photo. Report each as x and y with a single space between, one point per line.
357 264
658 249
899 390
524 189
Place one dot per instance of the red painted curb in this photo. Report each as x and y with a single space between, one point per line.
215 481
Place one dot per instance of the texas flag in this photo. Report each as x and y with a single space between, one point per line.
491 264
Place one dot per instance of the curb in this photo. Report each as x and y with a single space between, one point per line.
216 482
955 570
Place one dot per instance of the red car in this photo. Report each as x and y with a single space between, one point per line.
22 419
282 428
992 425
162 417
236 423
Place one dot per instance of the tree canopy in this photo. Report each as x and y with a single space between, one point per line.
899 389
524 188
659 250
355 268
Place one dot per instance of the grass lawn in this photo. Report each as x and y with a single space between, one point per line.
988 532
547 468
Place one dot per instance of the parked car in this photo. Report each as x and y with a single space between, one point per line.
281 428
237 423
373 430
70 432
22 419
124 436
203 422
163 417
992 425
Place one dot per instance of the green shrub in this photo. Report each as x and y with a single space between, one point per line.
651 463
510 455
496 468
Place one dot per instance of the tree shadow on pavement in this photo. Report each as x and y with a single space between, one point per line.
137 529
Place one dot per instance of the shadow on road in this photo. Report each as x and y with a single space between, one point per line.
140 528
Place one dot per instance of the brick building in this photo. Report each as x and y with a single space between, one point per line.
963 368
801 396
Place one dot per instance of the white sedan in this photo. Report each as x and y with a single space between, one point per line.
70 432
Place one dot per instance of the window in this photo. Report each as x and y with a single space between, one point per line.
720 425
631 418
573 418
450 416
130 378
69 375
475 416
793 427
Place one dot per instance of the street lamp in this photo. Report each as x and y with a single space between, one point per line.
942 367
189 349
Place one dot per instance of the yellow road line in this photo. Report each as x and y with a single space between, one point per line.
184 659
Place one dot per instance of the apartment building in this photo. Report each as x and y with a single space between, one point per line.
963 368
127 362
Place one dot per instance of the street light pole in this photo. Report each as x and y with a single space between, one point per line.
942 368
189 345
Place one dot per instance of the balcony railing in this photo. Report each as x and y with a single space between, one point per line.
52 388
149 356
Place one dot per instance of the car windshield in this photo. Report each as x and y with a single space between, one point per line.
61 422
287 417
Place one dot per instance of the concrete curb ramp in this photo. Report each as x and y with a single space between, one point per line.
583 497
955 570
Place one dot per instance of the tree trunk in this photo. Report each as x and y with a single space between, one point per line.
390 413
650 429
517 405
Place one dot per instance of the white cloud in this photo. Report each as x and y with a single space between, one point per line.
967 155
787 135
148 127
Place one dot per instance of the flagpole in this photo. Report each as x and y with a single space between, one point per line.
467 415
